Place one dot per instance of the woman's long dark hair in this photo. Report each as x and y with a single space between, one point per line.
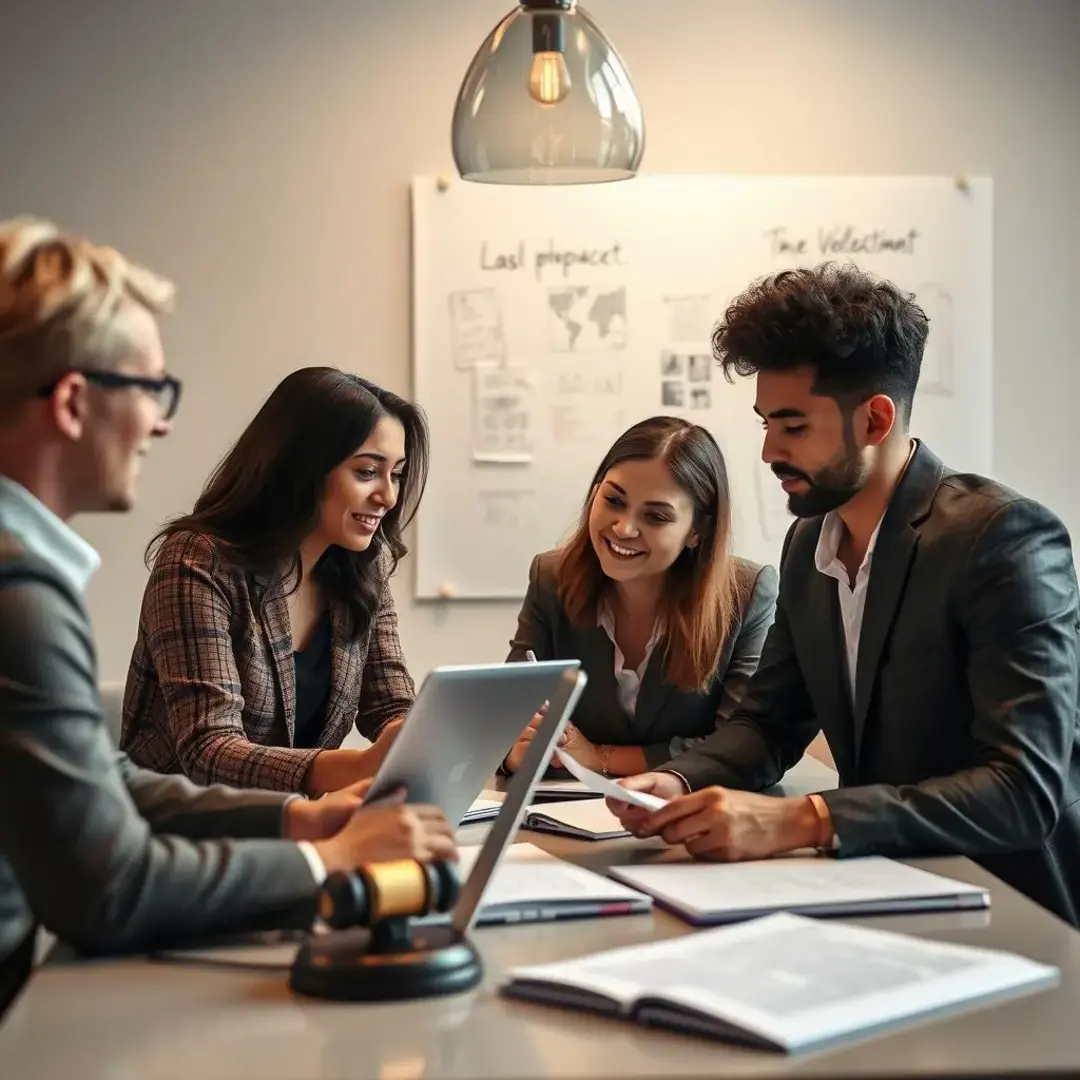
263 499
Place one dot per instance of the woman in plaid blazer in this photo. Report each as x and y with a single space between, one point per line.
268 628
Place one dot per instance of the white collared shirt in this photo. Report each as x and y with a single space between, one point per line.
627 680
852 596
45 535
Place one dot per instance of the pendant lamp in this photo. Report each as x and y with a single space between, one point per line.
547 100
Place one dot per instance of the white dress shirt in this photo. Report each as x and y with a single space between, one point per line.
50 538
852 596
627 680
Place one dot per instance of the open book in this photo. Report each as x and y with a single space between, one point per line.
783 982
530 885
581 819
807 884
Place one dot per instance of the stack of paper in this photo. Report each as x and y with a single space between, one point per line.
811 885
484 808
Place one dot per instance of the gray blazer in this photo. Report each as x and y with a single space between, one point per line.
110 857
666 720
963 738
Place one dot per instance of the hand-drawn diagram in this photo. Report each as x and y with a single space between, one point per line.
689 317
570 424
583 405
503 415
506 509
587 318
937 367
476 328
571 382
608 384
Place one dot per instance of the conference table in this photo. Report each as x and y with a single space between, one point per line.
225 1013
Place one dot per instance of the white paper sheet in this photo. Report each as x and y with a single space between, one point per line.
608 787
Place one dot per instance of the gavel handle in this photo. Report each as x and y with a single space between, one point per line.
390 935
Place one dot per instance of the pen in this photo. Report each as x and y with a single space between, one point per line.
531 657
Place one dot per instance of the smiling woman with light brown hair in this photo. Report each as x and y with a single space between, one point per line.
667 622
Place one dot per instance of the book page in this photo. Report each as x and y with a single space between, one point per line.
803 981
797 981
803 969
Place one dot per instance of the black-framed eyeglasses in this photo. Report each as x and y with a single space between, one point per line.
165 391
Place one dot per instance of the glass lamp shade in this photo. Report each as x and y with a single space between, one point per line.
547 100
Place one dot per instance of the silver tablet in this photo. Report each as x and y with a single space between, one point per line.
519 794
463 723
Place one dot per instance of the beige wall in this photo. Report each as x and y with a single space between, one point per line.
259 150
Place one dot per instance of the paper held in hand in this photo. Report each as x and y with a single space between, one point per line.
608 787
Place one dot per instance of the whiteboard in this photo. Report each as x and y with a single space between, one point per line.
547 320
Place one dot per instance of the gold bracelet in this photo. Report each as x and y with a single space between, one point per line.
605 760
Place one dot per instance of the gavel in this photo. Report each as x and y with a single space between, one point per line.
373 951
384 896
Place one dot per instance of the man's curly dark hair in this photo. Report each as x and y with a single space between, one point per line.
862 335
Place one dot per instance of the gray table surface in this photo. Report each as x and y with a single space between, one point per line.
152 1020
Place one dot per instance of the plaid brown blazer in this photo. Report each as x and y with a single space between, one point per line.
211 690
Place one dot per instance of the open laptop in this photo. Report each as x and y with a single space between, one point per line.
463 723
468 910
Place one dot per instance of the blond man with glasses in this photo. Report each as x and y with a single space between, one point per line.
109 857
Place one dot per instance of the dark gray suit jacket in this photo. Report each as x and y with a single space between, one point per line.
110 857
963 737
666 719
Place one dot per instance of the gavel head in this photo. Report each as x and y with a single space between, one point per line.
377 891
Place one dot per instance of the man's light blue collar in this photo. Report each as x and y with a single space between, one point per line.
43 534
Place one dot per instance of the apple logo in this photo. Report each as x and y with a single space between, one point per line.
458 771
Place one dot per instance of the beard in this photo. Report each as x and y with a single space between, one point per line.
827 489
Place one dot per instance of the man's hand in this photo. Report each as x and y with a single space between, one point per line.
664 785
730 826
322 818
385 833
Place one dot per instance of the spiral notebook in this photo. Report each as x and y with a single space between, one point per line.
581 819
